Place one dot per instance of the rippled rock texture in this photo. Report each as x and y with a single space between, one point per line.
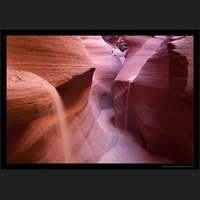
55 58
67 64
36 64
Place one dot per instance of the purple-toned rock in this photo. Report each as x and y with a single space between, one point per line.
153 96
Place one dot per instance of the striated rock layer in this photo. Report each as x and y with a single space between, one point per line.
65 63
153 96
27 97
59 61
55 58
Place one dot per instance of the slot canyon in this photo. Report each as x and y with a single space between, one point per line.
100 99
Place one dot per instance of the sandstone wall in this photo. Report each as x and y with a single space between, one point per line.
153 96
58 61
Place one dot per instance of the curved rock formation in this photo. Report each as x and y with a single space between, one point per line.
30 98
105 143
37 138
107 65
134 43
55 58
97 140
153 97
63 61
27 97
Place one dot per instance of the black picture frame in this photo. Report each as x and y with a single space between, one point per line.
5 33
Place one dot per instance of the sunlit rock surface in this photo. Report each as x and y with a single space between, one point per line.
153 97
55 58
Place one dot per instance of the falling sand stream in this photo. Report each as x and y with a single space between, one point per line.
61 122
39 94
138 60
126 107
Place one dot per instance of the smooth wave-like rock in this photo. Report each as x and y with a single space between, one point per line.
27 97
59 61
107 64
95 140
31 100
55 58
37 140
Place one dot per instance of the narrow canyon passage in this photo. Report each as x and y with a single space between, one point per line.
89 99
125 147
